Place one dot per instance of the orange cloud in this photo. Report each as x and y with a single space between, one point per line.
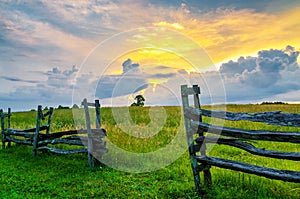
231 33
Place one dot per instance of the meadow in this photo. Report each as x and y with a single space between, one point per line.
68 176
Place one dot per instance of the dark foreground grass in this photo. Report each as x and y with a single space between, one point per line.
68 176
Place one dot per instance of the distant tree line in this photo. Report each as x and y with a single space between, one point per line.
264 103
62 107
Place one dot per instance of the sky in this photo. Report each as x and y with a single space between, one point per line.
59 52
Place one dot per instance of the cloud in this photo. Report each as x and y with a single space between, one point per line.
242 64
57 71
16 79
162 75
65 16
79 26
182 71
128 66
41 35
272 72
130 81
56 89
115 86
61 78
160 72
133 79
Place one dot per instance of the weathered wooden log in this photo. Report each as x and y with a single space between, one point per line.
200 132
4 115
58 134
95 132
250 148
87 103
19 141
97 144
50 112
8 124
61 141
63 151
185 91
47 113
88 126
272 118
37 130
98 121
74 140
74 137
10 132
284 175
278 136
2 128
68 136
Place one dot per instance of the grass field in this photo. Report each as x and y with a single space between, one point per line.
68 176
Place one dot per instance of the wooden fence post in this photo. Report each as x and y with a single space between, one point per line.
37 131
206 171
2 128
49 120
190 139
89 133
97 107
98 126
8 124
8 117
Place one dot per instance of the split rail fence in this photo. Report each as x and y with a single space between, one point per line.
196 131
40 137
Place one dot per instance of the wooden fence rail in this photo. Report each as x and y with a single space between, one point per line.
235 137
40 137
273 118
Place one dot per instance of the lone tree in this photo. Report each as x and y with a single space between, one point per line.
139 101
